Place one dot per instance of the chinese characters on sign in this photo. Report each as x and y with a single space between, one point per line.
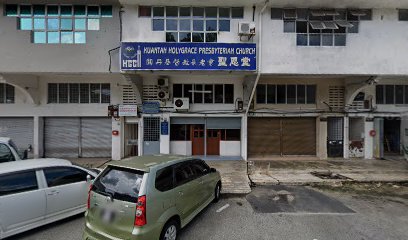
188 56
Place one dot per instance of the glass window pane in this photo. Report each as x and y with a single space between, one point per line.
52 24
341 14
353 29
187 91
25 10
171 37
39 37
403 14
158 11
2 86
66 10
406 94
66 24
314 40
301 40
84 93
327 40
95 93
399 94
198 93
73 91
261 93
144 11
52 10
185 25
224 12
219 93
80 37
209 93
281 94
185 37
39 10
301 94
271 94
171 11
276 13
289 26
224 25
389 94
93 11
9 94
53 37
26 23
302 13
39 23
211 12
93 24
63 93
11 10
80 24
105 93
52 93
198 37
237 12
158 24
311 94
340 40
177 90
171 25
379 94
67 37
106 11
211 25
301 27
17 182
79 10
185 12
198 12
211 37
229 93
198 25
291 94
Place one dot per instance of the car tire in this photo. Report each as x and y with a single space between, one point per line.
170 231
217 192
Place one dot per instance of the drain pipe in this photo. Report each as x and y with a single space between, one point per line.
259 68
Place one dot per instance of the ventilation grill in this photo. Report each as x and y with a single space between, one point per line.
128 95
336 97
357 105
150 93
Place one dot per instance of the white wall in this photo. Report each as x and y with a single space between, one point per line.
230 148
181 147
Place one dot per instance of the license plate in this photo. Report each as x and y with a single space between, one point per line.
107 216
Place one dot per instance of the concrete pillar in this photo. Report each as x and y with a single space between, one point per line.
368 140
322 138
244 137
165 138
38 148
346 138
117 141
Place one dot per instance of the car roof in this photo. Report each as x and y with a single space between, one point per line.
145 163
23 165
4 139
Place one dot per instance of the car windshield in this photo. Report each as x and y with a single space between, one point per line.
119 183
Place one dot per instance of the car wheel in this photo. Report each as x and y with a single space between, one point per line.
217 192
170 231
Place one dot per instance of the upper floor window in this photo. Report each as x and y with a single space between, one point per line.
403 14
321 27
285 94
6 93
391 94
58 24
191 24
79 93
205 93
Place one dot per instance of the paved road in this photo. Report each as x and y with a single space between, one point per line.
358 218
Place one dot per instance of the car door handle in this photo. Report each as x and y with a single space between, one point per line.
181 193
53 192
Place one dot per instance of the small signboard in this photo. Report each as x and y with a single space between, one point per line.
164 127
151 107
128 110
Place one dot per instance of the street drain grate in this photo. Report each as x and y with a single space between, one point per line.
329 175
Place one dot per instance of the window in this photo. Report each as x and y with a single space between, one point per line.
205 93
231 134
63 175
5 154
403 14
6 93
78 93
164 179
18 183
200 168
180 132
191 24
58 24
285 94
184 173
391 94
321 27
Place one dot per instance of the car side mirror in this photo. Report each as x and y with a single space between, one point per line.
88 178
213 170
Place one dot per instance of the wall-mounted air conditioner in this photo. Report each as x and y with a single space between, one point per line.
246 28
163 94
162 82
181 104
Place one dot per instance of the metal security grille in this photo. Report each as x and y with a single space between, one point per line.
150 93
151 131
20 130
335 128
336 97
128 95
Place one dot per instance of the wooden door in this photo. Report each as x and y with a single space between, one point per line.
197 136
213 141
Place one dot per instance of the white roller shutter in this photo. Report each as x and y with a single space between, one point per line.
61 137
96 137
20 130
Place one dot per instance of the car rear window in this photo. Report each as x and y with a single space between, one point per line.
119 183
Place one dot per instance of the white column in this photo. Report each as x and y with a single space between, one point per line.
346 138
322 138
117 146
244 137
368 140
38 148
165 139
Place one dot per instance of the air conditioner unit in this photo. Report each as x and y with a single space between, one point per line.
163 82
163 94
181 104
246 28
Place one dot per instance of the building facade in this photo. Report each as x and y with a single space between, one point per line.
220 80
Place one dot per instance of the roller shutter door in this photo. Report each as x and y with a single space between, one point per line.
61 137
20 130
281 136
96 136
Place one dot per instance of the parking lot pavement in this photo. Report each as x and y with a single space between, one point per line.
369 217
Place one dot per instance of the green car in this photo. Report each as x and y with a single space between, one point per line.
149 197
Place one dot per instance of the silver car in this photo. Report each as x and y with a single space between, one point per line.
38 192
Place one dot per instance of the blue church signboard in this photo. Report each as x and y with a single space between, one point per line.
188 56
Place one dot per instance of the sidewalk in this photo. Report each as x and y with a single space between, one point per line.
327 171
